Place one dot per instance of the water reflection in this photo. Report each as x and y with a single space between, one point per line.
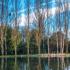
34 64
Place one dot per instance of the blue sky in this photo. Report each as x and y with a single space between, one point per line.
46 6
51 5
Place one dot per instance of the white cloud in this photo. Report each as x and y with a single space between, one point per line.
24 19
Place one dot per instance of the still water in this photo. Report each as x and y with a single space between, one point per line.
34 64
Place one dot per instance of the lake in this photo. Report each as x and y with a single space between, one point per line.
34 63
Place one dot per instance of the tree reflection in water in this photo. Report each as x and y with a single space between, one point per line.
34 63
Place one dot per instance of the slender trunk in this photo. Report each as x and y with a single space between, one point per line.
2 40
28 39
5 41
57 43
28 65
2 47
48 46
6 26
48 54
61 45
16 27
60 32
66 27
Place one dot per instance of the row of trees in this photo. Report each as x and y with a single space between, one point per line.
37 40
10 43
34 41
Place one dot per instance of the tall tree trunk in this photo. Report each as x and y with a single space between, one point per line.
16 26
48 40
28 37
6 26
66 27
59 26
2 32
57 43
